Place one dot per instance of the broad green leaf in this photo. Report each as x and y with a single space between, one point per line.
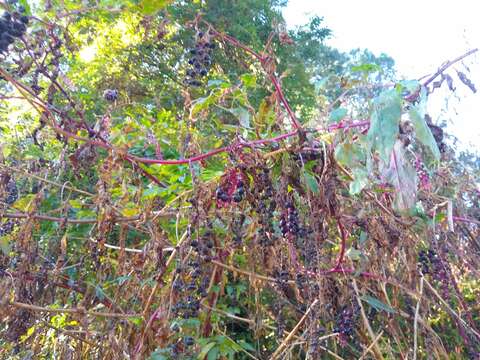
363 238
350 154
377 304
24 203
150 7
249 80
360 180
354 254
311 182
213 354
422 131
5 244
86 213
384 123
247 346
401 174
366 68
337 115
243 116
152 192
205 350
75 203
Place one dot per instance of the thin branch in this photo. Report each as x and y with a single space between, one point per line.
76 221
293 332
71 311
447 65
415 321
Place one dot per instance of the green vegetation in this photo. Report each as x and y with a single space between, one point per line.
191 180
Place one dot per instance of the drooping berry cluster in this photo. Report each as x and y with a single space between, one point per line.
7 227
110 95
201 59
12 25
431 263
11 192
345 323
265 205
422 173
289 220
231 188
425 260
191 279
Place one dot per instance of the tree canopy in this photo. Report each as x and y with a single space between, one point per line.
194 180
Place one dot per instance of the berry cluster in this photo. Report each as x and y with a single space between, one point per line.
265 206
422 174
231 188
201 59
11 192
345 324
431 263
191 281
110 95
280 320
315 348
7 227
12 25
289 220
425 260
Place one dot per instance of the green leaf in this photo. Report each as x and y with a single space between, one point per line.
213 354
205 350
150 7
377 304
249 80
5 245
350 154
24 203
401 174
422 131
363 238
337 114
354 254
360 180
311 182
247 346
366 68
384 123
243 116
152 192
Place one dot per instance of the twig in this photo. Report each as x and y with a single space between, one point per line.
71 311
29 174
367 350
293 332
70 220
415 321
447 65
69 333
451 311
376 349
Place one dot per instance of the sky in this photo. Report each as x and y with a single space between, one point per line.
420 36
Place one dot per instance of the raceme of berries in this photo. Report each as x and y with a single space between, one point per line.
289 220
345 324
231 188
110 95
422 174
11 192
200 60
12 25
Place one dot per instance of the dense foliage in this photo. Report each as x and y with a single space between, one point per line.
190 180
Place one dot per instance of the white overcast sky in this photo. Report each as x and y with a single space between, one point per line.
419 35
